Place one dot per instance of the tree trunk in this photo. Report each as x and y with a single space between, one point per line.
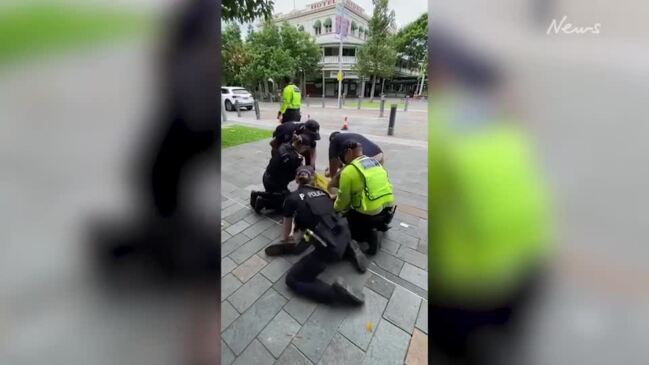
265 88
373 89
382 85
362 93
421 88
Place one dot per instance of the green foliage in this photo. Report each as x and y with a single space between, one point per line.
237 134
234 55
35 28
412 40
246 10
275 52
377 57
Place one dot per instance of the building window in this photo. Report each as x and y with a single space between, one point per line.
349 52
329 51
317 27
327 25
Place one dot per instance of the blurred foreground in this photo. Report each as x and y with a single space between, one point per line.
578 100
84 119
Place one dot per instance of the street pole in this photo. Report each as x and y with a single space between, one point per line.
340 55
323 88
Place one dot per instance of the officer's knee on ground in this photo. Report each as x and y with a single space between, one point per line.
291 279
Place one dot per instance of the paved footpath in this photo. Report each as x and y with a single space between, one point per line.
263 322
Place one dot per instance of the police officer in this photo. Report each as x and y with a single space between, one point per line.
311 209
280 172
364 195
291 101
336 143
285 131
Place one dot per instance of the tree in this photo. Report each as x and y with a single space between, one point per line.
234 54
377 57
275 52
246 10
412 40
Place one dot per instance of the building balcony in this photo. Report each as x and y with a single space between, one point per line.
334 59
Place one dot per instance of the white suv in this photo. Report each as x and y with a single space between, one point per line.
231 94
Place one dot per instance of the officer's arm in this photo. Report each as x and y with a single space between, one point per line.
344 197
286 228
287 94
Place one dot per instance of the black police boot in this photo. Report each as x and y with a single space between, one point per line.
253 198
347 293
280 249
259 204
358 258
373 242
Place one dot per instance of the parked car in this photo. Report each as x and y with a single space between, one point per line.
231 94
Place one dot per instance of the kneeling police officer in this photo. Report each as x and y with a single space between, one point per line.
364 195
311 209
280 172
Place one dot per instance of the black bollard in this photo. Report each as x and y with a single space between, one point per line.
238 108
393 115
307 100
257 109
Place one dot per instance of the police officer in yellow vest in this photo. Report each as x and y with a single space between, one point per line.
364 195
291 101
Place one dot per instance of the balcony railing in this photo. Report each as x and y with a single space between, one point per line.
334 59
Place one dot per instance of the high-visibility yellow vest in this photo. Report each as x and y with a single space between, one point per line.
291 98
377 192
488 211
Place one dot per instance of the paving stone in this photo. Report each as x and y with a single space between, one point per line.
224 225
341 351
248 249
422 318
415 275
249 292
402 238
245 328
237 228
227 265
388 346
233 243
239 215
281 287
402 309
228 315
226 202
225 235
354 327
249 268
255 354
273 232
418 349
422 293
390 246
315 335
380 285
227 356
413 257
388 262
279 333
229 284
257 228
230 210
278 267
292 356
300 308
254 218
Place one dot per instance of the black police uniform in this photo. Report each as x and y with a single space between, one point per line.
313 210
336 145
279 173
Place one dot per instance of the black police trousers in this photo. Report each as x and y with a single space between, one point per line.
361 225
275 193
303 278
291 115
